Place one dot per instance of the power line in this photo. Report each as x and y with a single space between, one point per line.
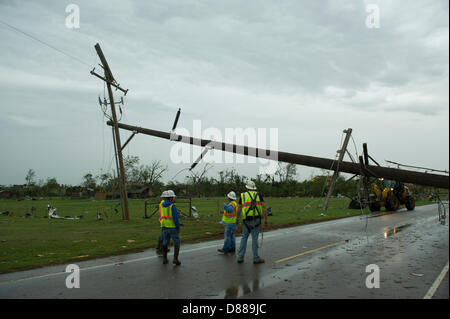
45 43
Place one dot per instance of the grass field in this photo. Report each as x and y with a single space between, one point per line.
34 242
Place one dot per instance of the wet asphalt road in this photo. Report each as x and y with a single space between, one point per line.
410 249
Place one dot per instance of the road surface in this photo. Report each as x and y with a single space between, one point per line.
323 260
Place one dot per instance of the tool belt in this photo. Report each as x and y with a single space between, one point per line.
251 222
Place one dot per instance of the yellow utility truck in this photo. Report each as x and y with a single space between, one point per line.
390 194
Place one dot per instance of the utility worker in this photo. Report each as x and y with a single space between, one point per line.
229 221
170 227
251 206
159 250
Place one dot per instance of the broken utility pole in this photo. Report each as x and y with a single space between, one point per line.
110 81
348 132
400 175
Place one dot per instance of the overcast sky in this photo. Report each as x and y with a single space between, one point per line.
308 68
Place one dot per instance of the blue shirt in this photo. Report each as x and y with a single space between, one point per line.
167 203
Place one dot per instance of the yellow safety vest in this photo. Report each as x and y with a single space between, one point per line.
160 207
165 216
230 217
246 201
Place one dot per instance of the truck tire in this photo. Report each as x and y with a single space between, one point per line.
410 203
392 203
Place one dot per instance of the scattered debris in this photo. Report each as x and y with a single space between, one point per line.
53 214
130 241
417 275
194 212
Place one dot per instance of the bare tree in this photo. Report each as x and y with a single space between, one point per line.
286 172
30 177
146 174
197 177
149 174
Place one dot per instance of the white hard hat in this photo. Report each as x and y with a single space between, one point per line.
164 194
231 195
251 185
170 193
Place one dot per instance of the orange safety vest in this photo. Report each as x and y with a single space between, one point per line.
230 217
165 216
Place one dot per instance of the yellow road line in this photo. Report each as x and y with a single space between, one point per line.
436 283
311 251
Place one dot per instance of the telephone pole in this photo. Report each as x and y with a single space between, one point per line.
110 81
348 132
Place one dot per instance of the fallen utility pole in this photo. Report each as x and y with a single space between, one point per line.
348 133
109 79
401 175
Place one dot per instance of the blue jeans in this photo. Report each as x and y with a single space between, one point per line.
168 233
243 246
229 244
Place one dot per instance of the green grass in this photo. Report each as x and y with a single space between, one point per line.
35 242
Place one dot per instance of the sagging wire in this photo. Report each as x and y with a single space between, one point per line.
359 193
45 43
328 174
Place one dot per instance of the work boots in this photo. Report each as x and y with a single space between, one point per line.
165 260
175 255
159 248
159 251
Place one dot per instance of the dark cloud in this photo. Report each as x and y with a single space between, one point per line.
300 66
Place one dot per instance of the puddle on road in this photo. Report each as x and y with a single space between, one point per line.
241 290
392 231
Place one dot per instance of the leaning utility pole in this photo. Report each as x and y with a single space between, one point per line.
109 79
348 132
425 179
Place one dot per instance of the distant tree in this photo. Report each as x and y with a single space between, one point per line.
30 177
145 174
106 181
150 174
89 181
51 187
197 178
286 172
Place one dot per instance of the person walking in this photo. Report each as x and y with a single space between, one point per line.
229 221
251 206
159 250
170 227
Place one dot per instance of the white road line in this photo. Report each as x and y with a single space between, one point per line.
118 263
276 233
436 283
127 261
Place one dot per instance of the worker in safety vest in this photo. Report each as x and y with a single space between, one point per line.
159 250
168 216
229 221
251 207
